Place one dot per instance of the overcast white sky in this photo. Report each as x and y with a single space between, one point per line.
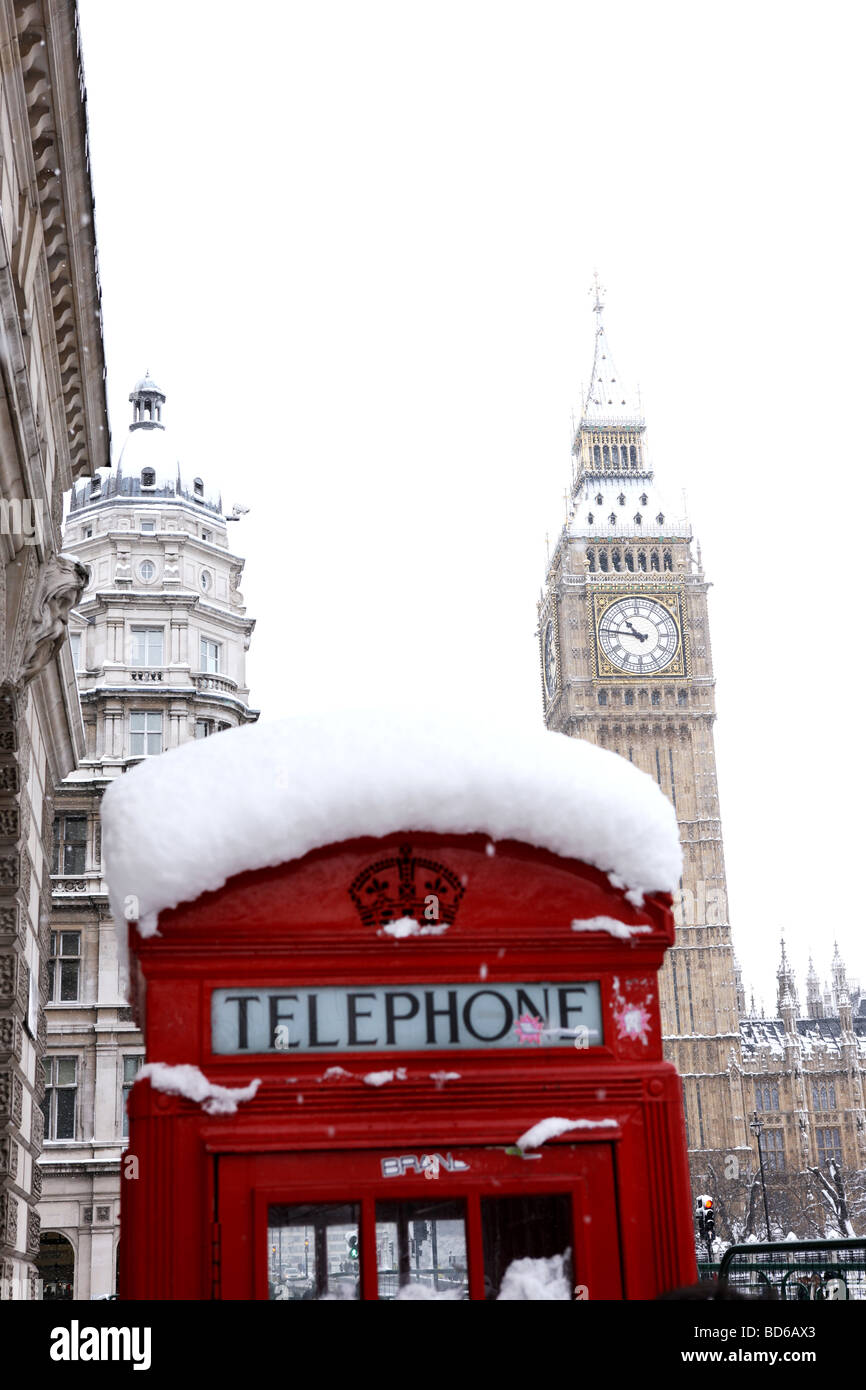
353 242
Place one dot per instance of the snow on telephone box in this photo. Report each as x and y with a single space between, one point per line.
398 979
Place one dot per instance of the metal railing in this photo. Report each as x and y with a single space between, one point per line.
811 1270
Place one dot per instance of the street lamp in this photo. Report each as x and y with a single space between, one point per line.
756 1128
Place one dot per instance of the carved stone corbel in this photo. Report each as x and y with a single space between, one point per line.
61 584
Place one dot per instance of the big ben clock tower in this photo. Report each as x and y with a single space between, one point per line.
626 663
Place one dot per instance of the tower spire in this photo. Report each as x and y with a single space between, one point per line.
607 399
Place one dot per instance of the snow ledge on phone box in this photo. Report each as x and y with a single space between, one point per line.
185 822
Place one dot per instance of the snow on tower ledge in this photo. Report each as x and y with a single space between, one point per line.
182 824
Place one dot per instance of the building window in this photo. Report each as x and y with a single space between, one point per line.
148 525
88 533
823 1096
64 967
130 1071
205 580
774 1150
145 733
655 697
204 728
206 535
682 698
70 844
829 1145
629 697
147 646
198 487
148 477
767 1098
147 569
668 560
591 518
75 649
61 1091
210 656
602 697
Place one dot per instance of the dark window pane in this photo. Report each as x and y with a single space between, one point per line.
514 1228
65 1113
73 859
70 943
76 828
69 980
314 1252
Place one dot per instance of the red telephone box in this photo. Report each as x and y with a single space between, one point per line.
411 1007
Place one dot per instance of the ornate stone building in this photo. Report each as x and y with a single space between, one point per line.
626 663
159 643
804 1071
53 429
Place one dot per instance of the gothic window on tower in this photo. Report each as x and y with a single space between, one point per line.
774 1150
605 454
210 656
621 499
629 697
61 1094
147 646
590 518
596 455
656 697
598 499
616 558
637 518
829 1145
654 560
629 560
641 560
668 560
614 450
682 697
70 844
590 558
64 967
602 560
612 518
145 733
602 697
643 499
661 518
633 456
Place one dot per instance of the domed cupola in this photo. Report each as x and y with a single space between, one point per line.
147 402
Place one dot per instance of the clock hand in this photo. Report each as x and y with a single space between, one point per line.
641 636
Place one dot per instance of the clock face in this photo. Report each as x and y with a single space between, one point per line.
550 659
638 635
